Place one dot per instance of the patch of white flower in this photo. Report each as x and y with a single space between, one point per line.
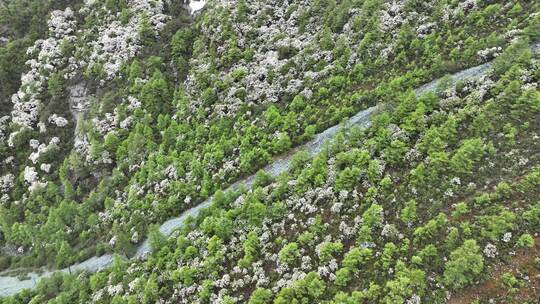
118 42
30 175
489 53
392 16
114 290
4 120
31 178
62 23
47 58
45 168
415 299
490 251
256 84
134 103
425 29
507 237
59 121
42 127
42 148
6 183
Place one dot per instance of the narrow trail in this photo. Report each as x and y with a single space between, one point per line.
12 285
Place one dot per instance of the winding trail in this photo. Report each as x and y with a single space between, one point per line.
12 285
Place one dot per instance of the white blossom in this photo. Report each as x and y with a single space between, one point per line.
45 167
58 120
6 182
490 251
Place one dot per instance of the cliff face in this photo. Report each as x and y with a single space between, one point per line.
67 71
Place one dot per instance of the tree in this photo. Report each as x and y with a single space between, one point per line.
532 216
516 10
251 249
242 11
525 241
428 254
273 118
460 209
123 243
464 265
343 277
327 250
233 53
311 286
496 225
299 161
526 105
339 16
357 257
185 274
373 216
308 290
117 270
408 213
151 289
289 254
135 71
111 143
181 49
221 226
533 29
348 178
262 179
325 39
352 264
182 42
407 282
516 54
146 32
298 104
155 94
260 296
395 152
55 85
467 156
64 255
156 238
254 210
251 158
282 143
388 255
115 5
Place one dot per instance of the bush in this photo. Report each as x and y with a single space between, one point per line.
260 296
286 52
525 241
464 265
289 254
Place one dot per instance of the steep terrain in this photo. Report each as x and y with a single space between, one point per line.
131 112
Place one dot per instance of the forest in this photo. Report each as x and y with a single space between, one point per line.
234 124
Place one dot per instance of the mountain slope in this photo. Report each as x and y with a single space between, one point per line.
130 112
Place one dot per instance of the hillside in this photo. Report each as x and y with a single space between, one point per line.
269 151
